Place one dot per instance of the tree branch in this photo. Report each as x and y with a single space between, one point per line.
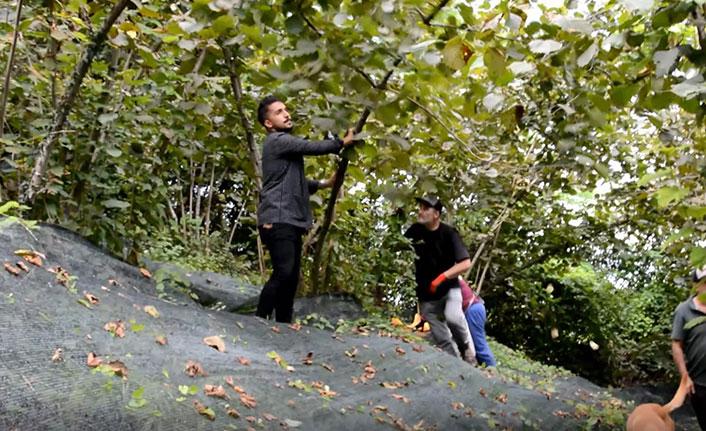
8 73
45 148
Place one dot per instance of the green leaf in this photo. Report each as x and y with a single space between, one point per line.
113 152
269 41
136 404
107 118
544 46
453 54
193 390
683 233
166 374
667 195
137 328
653 176
138 393
223 24
693 322
696 212
184 389
494 60
697 257
251 31
114 203
83 302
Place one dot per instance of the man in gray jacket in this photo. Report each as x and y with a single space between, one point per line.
284 212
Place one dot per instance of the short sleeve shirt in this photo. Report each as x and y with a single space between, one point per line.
437 250
694 339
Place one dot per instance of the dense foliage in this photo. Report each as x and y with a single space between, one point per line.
567 140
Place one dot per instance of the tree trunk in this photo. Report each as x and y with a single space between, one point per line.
8 73
253 151
343 166
67 101
207 211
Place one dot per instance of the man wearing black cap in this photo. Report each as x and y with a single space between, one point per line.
441 258
689 344
284 212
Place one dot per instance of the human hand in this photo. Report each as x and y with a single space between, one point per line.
348 139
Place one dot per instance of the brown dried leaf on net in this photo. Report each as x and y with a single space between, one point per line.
309 359
151 310
22 266
194 368
248 400
145 273
92 299
33 257
118 368
418 348
57 355
93 361
216 342
161 340
399 350
295 326
11 269
400 397
243 360
233 413
215 391
204 410
275 329
328 367
269 417
117 327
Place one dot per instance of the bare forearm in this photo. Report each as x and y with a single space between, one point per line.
457 269
678 356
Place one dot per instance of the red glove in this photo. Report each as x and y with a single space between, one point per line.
437 281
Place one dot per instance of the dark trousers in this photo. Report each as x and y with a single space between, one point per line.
284 242
698 401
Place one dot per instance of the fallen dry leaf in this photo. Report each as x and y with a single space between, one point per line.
33 257
194 368
22 266
243 360
204 410
393 385
309 359
317 384
483 393
501 398
328 367
269 417
327 393
417 348
247 400
352 353
118 368
400 397
117 327
161 340
295 326
215 391
561 413
113 282
93 361
238 389
251 419
399 350
151 310
291 403
233 412
457 406
275 329
57 355
12 270
145 273
216 342
92 299
229 381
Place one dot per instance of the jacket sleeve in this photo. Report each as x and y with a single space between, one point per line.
288 144
313 186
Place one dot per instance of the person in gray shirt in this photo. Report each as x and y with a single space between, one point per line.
284 211
689 345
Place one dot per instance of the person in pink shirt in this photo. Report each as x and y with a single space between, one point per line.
474 310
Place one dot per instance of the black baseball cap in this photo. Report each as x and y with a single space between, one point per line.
698 274
431 201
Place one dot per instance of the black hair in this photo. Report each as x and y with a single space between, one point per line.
264 107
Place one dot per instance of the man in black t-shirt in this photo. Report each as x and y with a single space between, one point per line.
441 258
